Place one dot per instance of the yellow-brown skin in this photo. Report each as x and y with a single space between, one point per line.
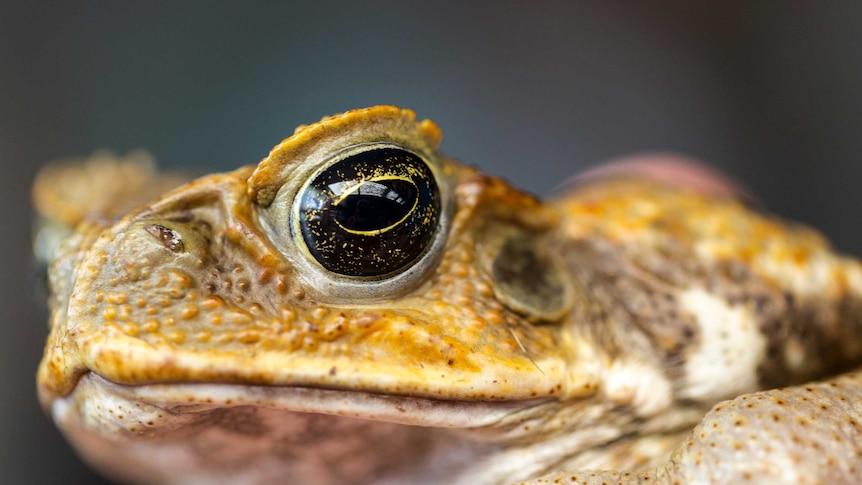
141 313
197 287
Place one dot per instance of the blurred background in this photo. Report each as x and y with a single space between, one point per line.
770 92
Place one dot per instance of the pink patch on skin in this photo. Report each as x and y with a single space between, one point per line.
673 169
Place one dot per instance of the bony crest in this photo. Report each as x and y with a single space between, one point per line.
359 203
311 145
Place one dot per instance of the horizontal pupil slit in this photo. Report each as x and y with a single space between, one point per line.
376 205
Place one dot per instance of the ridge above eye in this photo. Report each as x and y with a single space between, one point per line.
369 214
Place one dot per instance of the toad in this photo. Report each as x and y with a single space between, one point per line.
360 308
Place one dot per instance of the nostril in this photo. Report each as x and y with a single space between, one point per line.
168 237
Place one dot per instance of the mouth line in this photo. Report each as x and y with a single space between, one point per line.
400 409
324 436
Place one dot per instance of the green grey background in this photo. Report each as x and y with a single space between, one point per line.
532 91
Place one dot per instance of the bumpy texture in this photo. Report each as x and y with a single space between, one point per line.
196 340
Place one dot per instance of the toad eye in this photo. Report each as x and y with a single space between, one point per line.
370 214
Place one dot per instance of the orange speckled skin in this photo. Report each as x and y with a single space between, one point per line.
229 308
632 293
627 210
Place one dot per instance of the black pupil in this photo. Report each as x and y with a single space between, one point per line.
376 205
371 214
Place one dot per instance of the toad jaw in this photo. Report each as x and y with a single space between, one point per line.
168 341
170 373
199 306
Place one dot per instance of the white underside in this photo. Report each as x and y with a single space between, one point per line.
228 434
731 347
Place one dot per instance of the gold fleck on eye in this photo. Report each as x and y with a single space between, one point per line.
370 214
